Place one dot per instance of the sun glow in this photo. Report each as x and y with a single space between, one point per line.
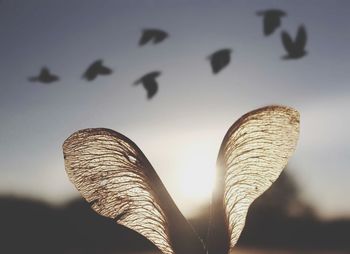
187 166
197 173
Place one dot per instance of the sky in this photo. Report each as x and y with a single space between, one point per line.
181 128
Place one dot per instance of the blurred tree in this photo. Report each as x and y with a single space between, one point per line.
282 199
279 217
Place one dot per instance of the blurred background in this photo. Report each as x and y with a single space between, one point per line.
180 127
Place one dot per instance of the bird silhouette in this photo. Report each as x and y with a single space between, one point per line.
95 69
295 49
220 59
154 35
115 177
45 76
149 83
271 20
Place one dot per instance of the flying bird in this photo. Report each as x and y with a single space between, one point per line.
271 20
95 69
45 76
149 83
152 35
115 177
220 59
295 48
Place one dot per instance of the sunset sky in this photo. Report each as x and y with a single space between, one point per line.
181 128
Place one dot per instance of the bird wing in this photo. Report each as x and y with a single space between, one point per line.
271 22
112 173
159 36
90 73
287 42
252 155
147 36
219 61
300 40
151 87
105 70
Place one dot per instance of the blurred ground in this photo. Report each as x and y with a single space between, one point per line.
277 221
255 251
251 251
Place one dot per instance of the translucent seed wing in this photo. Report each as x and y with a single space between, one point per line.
112 173
252 155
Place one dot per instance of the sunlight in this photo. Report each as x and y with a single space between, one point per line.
197 172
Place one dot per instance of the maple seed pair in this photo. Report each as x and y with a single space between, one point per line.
112 173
